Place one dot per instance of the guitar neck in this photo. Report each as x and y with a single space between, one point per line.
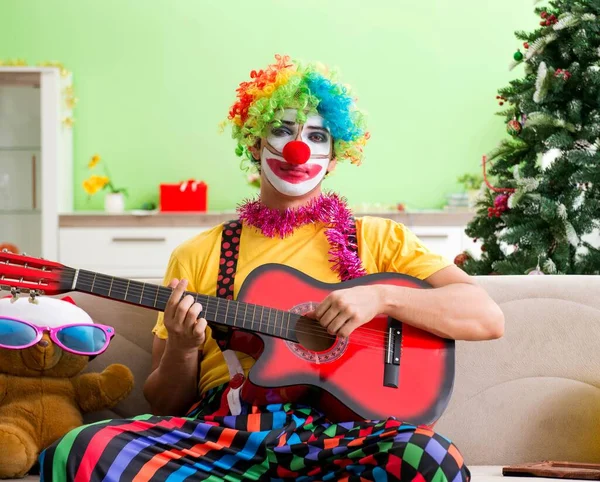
230 313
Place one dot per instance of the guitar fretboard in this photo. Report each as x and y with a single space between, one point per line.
236 314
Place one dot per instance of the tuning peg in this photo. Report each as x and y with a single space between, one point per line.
15 294
32 295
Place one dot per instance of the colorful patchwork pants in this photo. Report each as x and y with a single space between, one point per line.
280 442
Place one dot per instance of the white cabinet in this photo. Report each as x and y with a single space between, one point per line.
135 252
35 158
445 240
143 251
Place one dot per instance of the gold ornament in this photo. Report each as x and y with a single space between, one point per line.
64 72
69 94
70 99
13 63
70 102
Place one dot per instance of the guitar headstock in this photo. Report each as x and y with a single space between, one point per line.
22 273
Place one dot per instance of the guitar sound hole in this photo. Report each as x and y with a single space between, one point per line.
313 336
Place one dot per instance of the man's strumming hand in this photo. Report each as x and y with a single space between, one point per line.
342 311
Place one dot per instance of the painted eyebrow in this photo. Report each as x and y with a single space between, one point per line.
315 128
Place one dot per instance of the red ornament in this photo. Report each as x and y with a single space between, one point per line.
547 19
461 259
514 127
501 202
526 45
483 248
487 183
500 205
296 152
565 74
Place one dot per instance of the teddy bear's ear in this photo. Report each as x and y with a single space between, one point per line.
68 299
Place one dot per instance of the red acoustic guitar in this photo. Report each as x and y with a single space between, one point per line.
384 368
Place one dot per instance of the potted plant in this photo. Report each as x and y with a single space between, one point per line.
114 201
472 184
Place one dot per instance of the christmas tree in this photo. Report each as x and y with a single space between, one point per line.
541 197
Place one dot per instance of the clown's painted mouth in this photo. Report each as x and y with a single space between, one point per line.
292 173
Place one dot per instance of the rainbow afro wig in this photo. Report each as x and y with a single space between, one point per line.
310 89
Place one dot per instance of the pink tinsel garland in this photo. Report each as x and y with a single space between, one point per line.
328 209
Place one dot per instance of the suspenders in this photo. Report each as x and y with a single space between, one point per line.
230 246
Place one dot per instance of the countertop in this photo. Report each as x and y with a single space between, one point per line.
82 219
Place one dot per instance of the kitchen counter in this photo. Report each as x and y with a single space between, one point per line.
97 219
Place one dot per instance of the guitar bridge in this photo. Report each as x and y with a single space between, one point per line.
391 369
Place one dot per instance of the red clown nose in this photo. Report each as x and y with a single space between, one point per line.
296 152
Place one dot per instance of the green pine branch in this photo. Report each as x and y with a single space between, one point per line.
557 100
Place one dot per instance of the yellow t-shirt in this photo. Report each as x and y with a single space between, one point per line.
383 246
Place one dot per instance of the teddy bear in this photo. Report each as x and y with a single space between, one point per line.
45 344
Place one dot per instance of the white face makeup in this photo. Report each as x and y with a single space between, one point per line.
293 179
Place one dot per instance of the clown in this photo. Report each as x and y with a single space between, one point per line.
295 122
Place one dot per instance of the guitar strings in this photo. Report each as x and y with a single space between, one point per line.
365 339
132 285
164 290
378 336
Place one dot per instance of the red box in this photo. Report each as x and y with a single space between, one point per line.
185 196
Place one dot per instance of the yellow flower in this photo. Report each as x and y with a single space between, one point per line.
94 161
94 184
89 187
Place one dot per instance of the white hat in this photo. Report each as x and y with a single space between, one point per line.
45 312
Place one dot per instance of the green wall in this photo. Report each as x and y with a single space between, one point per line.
154 78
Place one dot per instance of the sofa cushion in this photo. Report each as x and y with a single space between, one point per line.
535 393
